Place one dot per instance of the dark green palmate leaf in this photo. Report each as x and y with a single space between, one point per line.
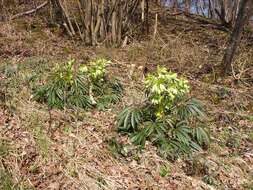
182 133
80 85
150 131
52 93
117 87
81 101
99 88
59 94
129 119
189 109
173 138
105 101
172 148
77 94
201 136
111 95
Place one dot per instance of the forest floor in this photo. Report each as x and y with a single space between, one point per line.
74 152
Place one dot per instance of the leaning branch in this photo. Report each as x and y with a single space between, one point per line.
30 11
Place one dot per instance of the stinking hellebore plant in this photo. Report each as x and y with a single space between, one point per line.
168 118
70 85
164 89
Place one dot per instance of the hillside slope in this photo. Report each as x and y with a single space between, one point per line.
74 152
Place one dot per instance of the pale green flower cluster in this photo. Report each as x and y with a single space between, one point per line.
64 72
164 88
96 69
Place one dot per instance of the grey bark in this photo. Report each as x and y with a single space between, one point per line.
234 40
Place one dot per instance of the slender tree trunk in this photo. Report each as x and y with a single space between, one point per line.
88 19
120 19
235 36
222 13
114 22
175 6
147 17
143 11
210 9
197 7
187 6
101 20
2 16
1 6
202 8
234 12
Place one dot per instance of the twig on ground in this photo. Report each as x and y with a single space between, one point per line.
30 11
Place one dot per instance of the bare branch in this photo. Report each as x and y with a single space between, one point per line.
30 11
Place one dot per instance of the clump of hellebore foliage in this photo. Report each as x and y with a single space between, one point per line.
96 69
168 117
164 89
84 86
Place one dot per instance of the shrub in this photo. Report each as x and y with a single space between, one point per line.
168 117
84 86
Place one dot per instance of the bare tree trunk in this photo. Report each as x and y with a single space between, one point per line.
202 7
1 6
147 17
98 23
175 6
234 12
114 23
235 36
88 17
101 20
120 19
2 16
197 7
222 13
187 6
143 10
61 15
210 9
67 17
